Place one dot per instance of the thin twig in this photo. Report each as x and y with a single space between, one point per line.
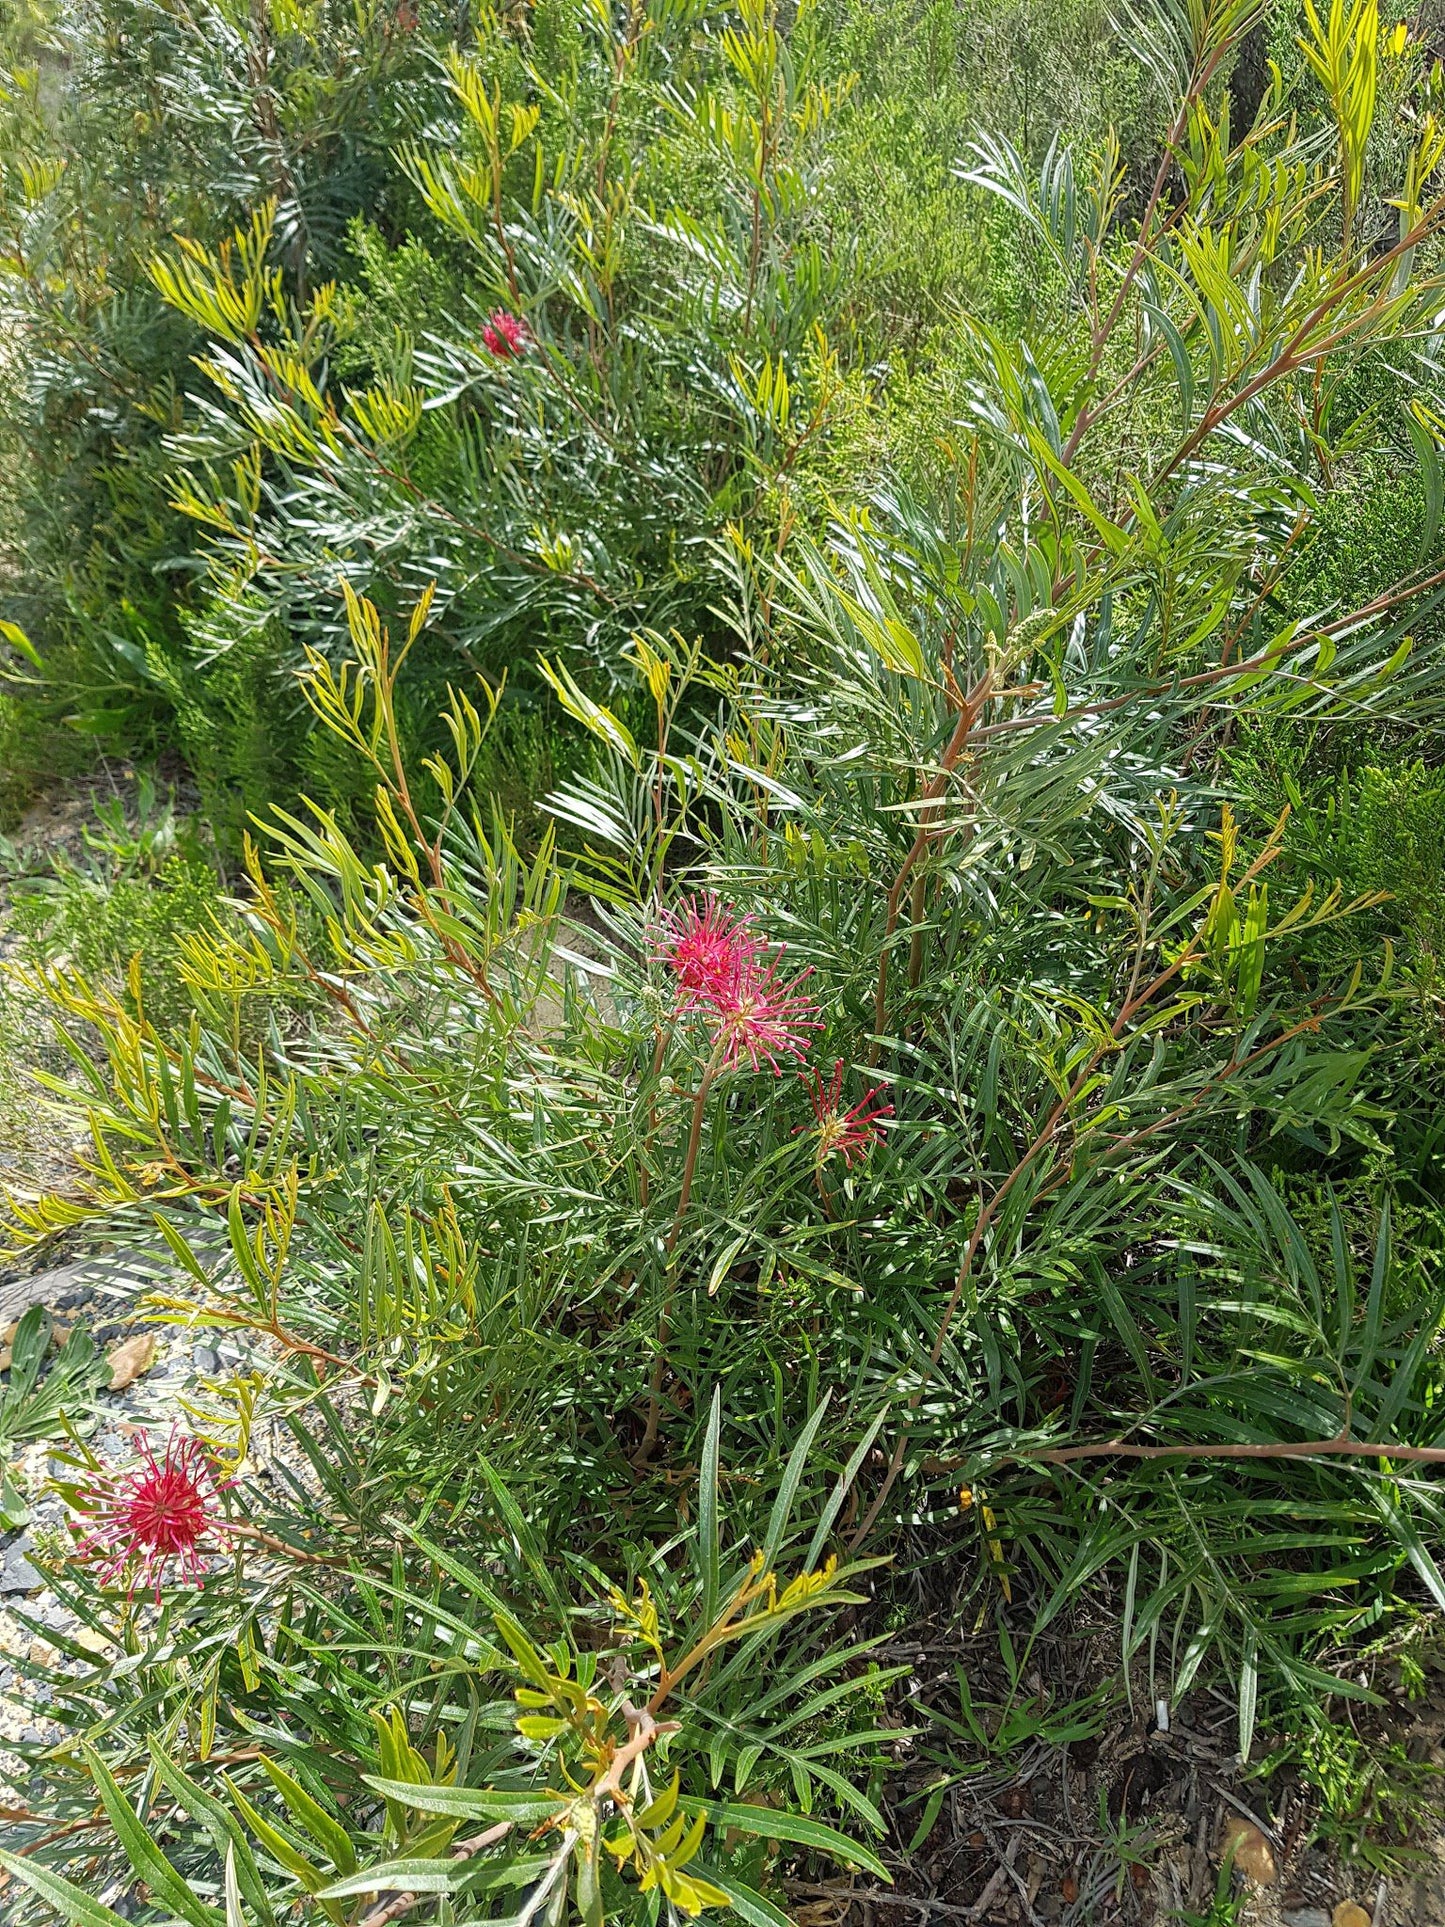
880 1897
402 1903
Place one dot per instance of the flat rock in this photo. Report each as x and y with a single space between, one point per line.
16 1572
130 1358
17 1295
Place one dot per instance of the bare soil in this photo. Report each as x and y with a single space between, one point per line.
1127 1827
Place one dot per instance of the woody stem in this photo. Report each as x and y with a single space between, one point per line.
664 1322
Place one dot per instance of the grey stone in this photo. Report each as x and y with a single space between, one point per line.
1304 1917
16 1572
17 1295
204 1359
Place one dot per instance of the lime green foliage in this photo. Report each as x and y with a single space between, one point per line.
98 924
140 889
1399 818
1373 1797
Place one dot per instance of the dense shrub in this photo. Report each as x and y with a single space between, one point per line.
723 248
917 1096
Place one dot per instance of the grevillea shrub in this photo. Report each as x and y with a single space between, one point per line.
526 303
598 1356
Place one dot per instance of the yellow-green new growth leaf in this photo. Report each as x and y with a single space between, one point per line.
282 1852
328 1834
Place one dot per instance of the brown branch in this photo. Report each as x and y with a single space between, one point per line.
927 830
643 1729
1224 672
402 1903
1339 1447
244 1530
1299 351
247 1321
664 1323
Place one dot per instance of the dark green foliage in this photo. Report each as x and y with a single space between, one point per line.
670 281
124 122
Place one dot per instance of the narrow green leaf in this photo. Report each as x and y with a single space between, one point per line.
792 1478
223 1827
234 1916
838 1497
769 1823
149 1863
746 1902
1248 1694
467 1803
401 1876
67 1900
931 1811
708 1550
281 1849
332 1838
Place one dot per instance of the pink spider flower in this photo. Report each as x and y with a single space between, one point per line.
854 1132
763 1019
506 335
722 972
154 1513
709 951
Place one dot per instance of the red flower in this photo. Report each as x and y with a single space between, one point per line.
721 971
506 335
854 1132
158 1511
764 1019
708 950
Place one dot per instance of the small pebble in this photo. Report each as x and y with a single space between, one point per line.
1253 1855
1350 1913
129 1360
